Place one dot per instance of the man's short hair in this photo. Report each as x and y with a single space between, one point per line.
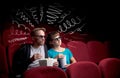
37 29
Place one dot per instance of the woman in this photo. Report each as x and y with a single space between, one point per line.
58 52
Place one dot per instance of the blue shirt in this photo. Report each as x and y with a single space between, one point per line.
52 54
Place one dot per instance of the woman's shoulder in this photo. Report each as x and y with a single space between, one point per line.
67 49
50 50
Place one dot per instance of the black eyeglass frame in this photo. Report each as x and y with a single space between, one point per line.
58 38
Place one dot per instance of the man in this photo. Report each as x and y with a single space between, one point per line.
27 56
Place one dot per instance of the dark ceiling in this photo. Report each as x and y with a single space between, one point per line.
100 16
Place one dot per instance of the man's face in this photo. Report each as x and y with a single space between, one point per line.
39 37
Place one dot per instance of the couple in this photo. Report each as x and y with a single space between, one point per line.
28 53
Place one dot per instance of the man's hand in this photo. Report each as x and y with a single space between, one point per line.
36 56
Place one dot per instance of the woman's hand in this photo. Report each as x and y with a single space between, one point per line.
67 65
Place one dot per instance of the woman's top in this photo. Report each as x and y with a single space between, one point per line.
53 53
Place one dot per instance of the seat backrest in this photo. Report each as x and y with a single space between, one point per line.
17 35
63 45
97 51
83 69
79 50
3 63
110 67
108 47
45 72
11 51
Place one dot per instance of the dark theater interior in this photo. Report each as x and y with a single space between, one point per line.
88 29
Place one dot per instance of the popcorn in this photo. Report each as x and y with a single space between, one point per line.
47 62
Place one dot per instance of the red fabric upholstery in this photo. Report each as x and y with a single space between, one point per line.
108 48
3 63
63 45
97 51
11 51
83 69
16 36
45 72
110 67
79 50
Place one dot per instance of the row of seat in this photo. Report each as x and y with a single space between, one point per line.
107 68
93 51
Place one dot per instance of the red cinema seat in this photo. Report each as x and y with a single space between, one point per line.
63 45
108 48
11 51
97 51
79 50
110 67
45 72
3 63
83 69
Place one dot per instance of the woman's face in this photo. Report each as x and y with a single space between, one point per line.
56 40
